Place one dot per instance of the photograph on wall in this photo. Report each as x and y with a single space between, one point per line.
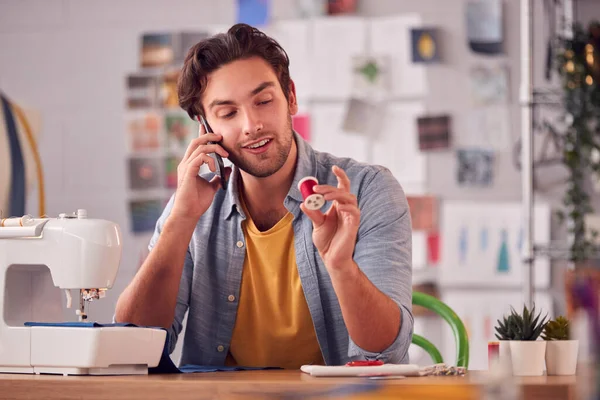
145 173
425 45
144 214
142 91
143 130
489 85
171 164
434 132
475 167
167 96
156 50
423 212
180 129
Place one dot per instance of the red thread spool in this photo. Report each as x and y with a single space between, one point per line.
493 353
312 200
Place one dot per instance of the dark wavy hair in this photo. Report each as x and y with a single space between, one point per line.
240 42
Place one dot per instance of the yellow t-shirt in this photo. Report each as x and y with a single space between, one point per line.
273 327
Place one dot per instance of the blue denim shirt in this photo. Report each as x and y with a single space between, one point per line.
210 282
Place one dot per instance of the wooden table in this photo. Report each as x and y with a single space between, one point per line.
276 384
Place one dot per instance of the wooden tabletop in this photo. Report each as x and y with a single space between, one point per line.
275 384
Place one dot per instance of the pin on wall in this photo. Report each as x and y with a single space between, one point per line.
312 200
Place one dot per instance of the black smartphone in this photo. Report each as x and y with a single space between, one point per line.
219 161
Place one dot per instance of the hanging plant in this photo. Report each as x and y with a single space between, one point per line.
579 69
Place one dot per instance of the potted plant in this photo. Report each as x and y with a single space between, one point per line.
505 332
527 353
561 351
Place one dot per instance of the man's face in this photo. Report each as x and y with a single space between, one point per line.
244 102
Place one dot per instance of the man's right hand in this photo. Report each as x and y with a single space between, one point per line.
194 195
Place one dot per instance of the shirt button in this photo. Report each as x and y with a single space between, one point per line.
240 244
231 297
220 348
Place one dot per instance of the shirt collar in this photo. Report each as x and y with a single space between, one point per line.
306 165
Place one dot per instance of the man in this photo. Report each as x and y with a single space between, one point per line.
265 281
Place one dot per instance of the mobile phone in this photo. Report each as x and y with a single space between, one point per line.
219 161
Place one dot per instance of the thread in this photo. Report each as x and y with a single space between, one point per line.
25 220
312 200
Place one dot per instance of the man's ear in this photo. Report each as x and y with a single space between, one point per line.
292 100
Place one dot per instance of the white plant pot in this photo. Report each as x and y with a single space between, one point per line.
528 357
561 357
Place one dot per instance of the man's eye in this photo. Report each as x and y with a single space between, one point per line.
265 102
228 115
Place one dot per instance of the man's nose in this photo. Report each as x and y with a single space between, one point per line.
253 123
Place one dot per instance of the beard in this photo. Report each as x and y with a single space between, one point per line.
264 165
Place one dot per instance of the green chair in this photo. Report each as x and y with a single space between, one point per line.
458 328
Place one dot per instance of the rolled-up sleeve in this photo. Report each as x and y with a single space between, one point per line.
383 252
183 297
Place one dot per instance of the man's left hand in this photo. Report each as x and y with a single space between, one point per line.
334 232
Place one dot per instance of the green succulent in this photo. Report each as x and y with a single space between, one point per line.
525 326
557 329
505 329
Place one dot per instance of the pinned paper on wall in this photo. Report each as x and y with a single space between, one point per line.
475 167
253 12
301 124
434 132
371 77
423 212
489 85
488 127
425 45
483 243
363 117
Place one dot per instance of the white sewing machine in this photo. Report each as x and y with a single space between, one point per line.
38 258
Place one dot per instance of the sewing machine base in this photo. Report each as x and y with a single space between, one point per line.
85 351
